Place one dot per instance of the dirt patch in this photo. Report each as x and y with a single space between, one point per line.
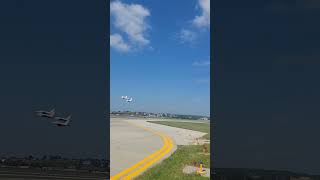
200 141
195 170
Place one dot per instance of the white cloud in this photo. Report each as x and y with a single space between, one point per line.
203 21
199 22
187 35
131 19
201 63
117 42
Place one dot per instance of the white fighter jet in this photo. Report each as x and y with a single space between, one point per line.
47 114
124 97
62 122
129 99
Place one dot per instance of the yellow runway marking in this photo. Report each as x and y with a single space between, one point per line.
148 161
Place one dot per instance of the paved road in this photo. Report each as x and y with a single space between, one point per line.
129 144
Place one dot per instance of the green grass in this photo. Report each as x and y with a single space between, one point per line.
171 168
201 127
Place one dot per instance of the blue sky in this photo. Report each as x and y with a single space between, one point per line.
160 56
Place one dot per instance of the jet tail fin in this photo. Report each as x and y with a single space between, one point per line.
68 118
53 111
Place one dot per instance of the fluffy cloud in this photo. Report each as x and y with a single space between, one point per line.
117 42
131 20
187 35
198 23
203 21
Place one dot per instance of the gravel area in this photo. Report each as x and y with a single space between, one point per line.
180 136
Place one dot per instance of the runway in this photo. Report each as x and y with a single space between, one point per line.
136 145
134 148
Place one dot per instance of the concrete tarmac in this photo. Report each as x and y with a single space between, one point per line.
129 144
180 136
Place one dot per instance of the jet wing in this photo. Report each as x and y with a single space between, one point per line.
62 120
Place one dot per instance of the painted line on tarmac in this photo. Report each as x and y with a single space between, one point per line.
148 161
